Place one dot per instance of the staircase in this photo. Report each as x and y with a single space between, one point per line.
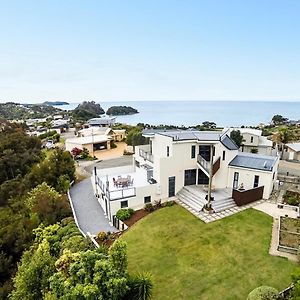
222 204
190 198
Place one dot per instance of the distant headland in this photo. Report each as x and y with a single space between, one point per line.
55 103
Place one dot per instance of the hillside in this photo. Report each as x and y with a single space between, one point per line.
13 111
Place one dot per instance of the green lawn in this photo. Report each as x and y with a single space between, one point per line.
192 260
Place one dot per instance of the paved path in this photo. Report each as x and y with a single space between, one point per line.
89 213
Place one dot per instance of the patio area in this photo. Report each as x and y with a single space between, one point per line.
123 184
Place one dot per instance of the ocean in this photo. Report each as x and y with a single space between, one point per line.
189 113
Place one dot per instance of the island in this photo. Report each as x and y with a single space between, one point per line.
121 110
55 103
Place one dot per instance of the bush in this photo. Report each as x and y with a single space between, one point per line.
102 236
124 214
113 145
263 293
169 203
140 287
149 207
157 204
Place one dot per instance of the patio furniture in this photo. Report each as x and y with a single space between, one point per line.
123 182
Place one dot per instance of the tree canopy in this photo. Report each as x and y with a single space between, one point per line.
237 137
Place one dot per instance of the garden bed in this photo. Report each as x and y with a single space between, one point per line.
138 214
292 198
289 235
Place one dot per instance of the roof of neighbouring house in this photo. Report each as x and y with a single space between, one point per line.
264 142
185 135
95 131
101 121
294 146
254 161
88 139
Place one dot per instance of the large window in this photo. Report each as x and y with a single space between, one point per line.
124 204
256 181
190 177
235 180
193 152
147 199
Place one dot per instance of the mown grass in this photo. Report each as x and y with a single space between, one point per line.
192 260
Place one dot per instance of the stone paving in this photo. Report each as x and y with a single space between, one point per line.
207 218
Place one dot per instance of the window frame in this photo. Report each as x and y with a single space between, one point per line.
149 198
122 205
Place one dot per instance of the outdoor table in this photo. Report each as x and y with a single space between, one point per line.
122 181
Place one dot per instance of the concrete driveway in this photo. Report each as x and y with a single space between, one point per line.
89 213
292 168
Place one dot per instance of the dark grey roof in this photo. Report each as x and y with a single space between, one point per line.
184 135
228 142
254 161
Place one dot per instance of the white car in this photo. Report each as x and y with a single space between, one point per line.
49 144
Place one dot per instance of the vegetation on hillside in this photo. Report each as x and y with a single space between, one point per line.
16 111
87 110
62 264
32 191
121 110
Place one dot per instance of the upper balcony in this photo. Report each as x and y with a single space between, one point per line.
145 153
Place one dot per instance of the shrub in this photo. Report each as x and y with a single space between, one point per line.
113 145
263 293
124 214
102 236
140 287
149 207
169 203
157 204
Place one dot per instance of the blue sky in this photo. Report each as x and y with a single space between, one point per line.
149 50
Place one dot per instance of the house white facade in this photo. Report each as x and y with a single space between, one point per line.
174 160
253 141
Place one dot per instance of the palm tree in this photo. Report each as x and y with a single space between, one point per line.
140 287
282 137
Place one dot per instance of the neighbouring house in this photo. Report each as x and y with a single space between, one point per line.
116 135
292 151
101 122
59 125
254 142
181 163
91 143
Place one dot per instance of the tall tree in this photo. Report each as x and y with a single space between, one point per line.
237 137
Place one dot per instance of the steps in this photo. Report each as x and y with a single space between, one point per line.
223 204
191 199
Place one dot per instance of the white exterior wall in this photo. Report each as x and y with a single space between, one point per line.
137 202
246 176
220 178
247 139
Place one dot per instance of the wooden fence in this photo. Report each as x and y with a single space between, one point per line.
247 196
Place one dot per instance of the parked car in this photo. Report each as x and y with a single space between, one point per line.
49 144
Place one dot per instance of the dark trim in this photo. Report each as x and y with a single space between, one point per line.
250 168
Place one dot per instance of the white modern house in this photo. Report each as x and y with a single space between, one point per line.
253 141
187 164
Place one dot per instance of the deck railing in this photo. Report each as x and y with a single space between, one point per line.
126 192
206 164
146 155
